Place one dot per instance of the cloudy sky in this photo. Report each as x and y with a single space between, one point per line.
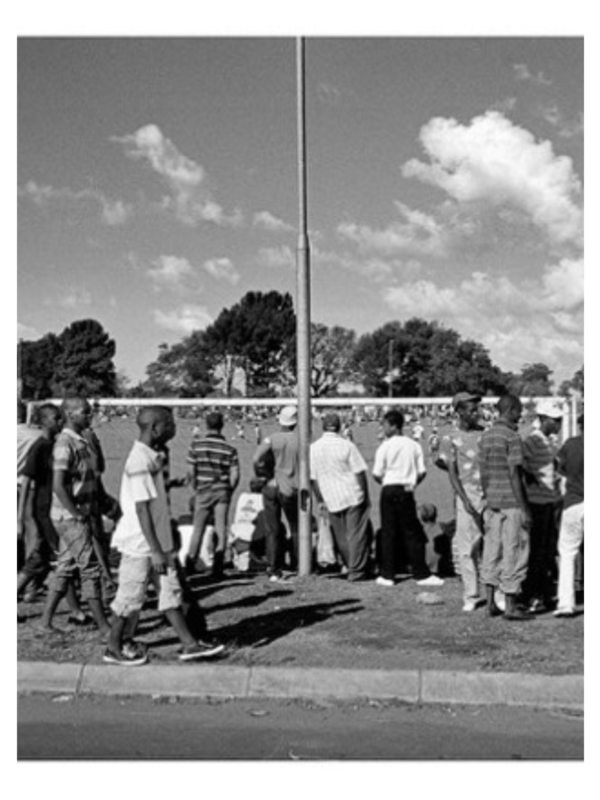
157 184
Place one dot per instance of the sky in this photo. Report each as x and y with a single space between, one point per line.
157 184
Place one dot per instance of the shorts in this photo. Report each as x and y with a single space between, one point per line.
211 496
134 573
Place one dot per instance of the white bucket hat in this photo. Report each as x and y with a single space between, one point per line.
288 416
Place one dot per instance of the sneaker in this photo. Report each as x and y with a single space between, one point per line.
276 577
200 650
432 580
124 659
381 581
499 600
537 606
564 612
469 605
133 649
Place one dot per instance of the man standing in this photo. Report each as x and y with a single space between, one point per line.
570 539
543 493
400 467
338 476
74 501
458 455
280 494
215 473
507 517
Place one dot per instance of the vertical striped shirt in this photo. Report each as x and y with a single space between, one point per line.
334 465
499 447
539 458
212 459
73 456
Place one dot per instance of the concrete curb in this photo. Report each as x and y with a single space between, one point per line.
221 681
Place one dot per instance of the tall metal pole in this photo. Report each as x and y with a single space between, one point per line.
303 330
390 365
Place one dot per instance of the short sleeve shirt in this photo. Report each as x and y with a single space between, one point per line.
571 464
212 459
143 482
461 448
38 468
499 447
334 465
539 459
399 460
72 455
284 445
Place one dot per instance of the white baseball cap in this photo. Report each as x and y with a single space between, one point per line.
549 407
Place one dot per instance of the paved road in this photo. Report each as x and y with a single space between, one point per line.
140 728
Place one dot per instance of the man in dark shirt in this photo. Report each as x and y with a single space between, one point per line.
507 517
570 465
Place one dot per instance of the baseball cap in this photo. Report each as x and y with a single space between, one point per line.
549 407
465 397
288 416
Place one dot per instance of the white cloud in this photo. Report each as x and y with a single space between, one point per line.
494 162
277 257
70 299
567 128
268 221
27 332
184 320
523 73
534 320
420 233
222 269
170 272
190 200
375 269
113 212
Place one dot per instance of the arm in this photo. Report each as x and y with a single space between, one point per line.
363 482
26 484
61 488
159 560
515 472
260 451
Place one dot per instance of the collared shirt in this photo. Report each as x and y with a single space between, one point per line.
399 460
461 447
143 482
284 445
499 446
212 459
571 463
539 459
334 464
73 456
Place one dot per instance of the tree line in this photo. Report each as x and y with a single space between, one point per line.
250 350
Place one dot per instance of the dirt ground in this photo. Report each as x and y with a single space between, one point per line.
322 620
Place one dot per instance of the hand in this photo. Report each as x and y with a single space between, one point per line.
159 561
527 519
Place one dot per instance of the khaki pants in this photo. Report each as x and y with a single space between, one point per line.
505 549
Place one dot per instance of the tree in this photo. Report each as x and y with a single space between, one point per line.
574 385
36 366
424 359
534 381
85 364
332 351
181 370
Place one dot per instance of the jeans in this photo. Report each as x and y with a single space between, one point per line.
274 504
569 542
505 549
203 508
400 525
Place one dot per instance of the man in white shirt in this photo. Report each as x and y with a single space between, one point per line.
338 474
400 467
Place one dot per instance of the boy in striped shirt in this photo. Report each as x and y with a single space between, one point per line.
215 474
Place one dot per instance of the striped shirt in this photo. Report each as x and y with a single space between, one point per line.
499 447
539 457
73 456
399 460
212 459
334 465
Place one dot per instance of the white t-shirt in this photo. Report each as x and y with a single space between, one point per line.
142 481
399 460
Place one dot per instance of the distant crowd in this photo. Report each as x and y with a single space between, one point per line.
517 543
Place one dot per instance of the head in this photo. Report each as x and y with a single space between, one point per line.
156 424
466 406
510 409
393 422
214 421
331 423
288 417
50 418
77 413
550 414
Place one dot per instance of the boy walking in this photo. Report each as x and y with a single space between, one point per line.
215 474
507 518
144 537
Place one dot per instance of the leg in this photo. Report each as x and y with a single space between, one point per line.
272 523
570 539
491 558
201 515
221 510
358 527
82 550
290 509
389 505
339 530
467 535
414 537
515 545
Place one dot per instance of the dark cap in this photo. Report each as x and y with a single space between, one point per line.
331 422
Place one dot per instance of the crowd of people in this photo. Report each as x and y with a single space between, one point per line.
518 512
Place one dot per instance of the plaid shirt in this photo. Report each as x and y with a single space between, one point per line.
73 456
499 447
